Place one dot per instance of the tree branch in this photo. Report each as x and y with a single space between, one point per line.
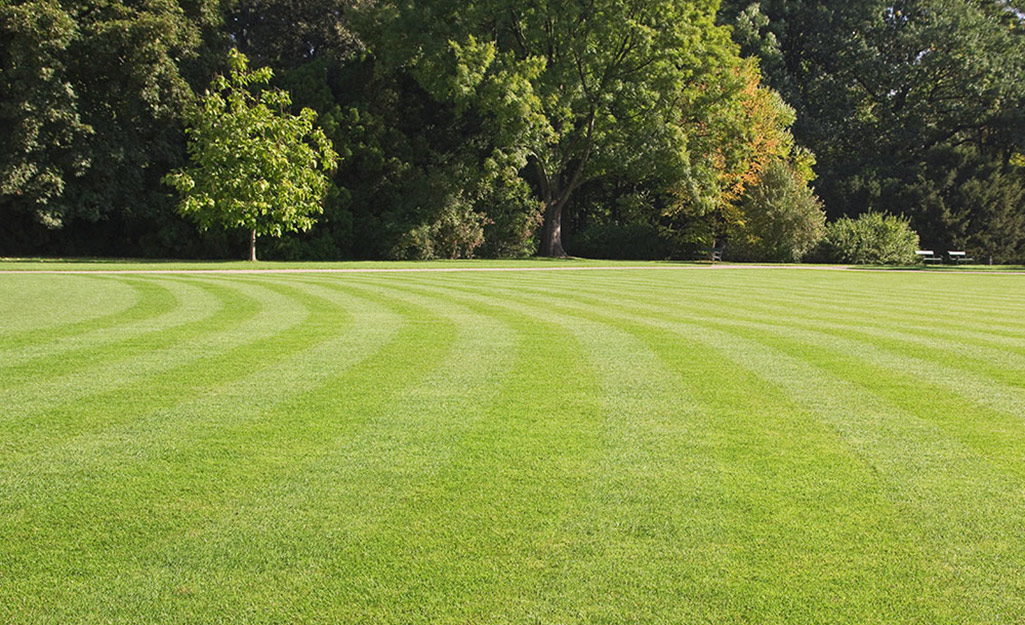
574 180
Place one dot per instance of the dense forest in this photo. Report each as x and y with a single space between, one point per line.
620 129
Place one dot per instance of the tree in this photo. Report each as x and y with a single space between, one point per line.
91 102
782 220
254 166
739 128
41 131
577 90
286 34
907 105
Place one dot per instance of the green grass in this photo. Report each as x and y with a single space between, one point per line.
690 445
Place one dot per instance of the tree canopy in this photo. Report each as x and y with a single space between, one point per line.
491 127
576 90
41 130
253 165
912 107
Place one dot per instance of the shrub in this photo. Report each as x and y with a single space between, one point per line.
871 239
457 232
783 219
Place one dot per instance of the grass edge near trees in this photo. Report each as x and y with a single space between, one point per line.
16 264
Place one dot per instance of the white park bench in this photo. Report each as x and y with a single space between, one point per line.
959 258
928 256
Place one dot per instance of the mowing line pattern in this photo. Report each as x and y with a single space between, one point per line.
513 447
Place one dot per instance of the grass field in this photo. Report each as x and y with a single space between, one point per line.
688 445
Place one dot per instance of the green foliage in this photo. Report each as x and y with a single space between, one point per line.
489 127
782 220
288 34
905 104
254 165
409 160
91 98
996 227
456 233
635 240
575 91
750 31
41 132
736 129
964 200
871 239
128 66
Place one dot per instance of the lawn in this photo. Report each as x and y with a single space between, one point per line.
680 445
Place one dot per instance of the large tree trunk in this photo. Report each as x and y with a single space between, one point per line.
551 231
252 245
555 192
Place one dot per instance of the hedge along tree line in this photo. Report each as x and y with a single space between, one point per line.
871 239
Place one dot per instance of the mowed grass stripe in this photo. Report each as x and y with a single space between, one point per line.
78 424
1004 365
974 406
66 305
991 377
869 298
302 457
167 471
986 378
984 383
980 391
982 414
483 538
221 314
67 407
800 525
933 294
678 462
634 543
735 480
246 314
148 299
196 308
538 431
916 451
947 350
358 499
878 306
966 509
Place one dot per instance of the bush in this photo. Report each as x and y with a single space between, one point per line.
457 232
871 239
783 220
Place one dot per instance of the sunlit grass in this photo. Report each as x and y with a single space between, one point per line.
690 445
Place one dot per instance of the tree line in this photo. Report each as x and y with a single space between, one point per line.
628 128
